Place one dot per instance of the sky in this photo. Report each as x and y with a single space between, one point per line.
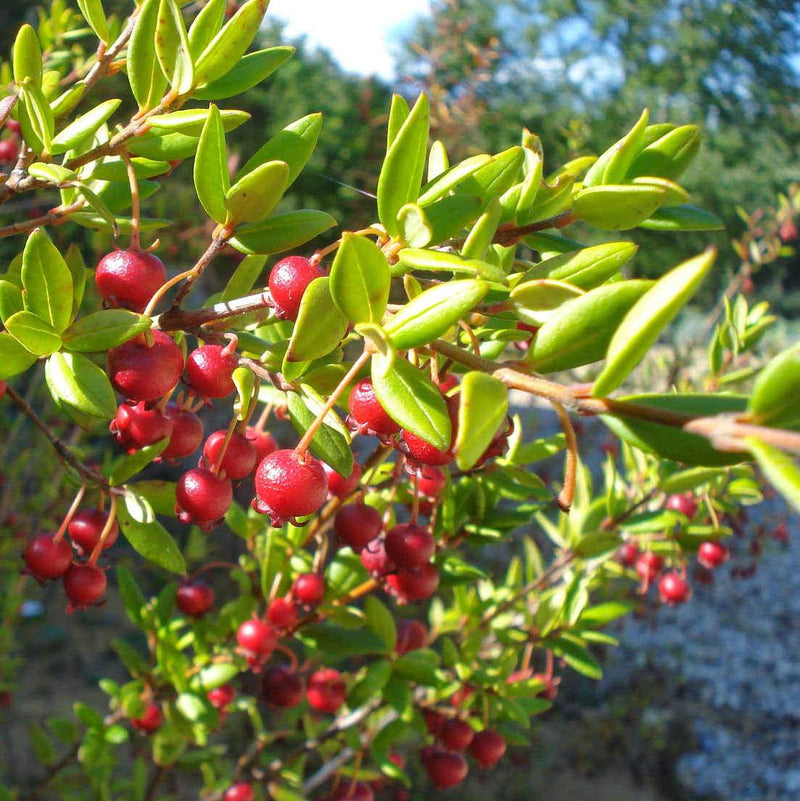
359 33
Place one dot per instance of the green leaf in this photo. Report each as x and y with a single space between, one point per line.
683 218
444 183
51 173
381 621
320 325
613 165
147 81
480 237
147 536
104 330
75 381
577 657
10 300
47 281
774 401
191 121
401 174
35 118
669 155
439 261
339 642
398 114
328 444
36 334
159 494
586 268
418 666
438 222
211 178
172 48
779 469
68 99
650 314
687 480
617 208
495 177
535 302
42 746
282 232
205 27
431 313
27 56
411 400
93 13
244 277
213 676
250 71
360 279
438 160
131 464
253 197
481 411
580 331
84 127
14 358
132 597
77 268
604 613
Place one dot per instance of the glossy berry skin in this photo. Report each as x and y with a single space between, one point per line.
142 373
282 613
368 412
326 690
202 498
409 546
242 791
456 734
375 559
411 636
423 452
220 697
150 721
685 504
288 282
649 565
135 426
281 687
309 589
673 589
209 371
47 559
357 524
430 482
195 598
263 442
84 585
240 456
341 487
289 486
9 151
257 638
487 747
413 585
627 554
128 278
86 527
187 433
712 554
445 769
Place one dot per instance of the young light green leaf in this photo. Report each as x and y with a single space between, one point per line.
495 177
683 218
779 469
205 27
438 160
244 277
282 232
191 121
14 357
360 280
103 330
480 237
68 99
172 48
35 118
93 13
481 411
669 155
147 81
253 197
617 208
211 178
251 71
36 334
585 268
774 400
10 300
131 464
444 183
398 114
47 281
535 302
84 127
147 536
614 168
434 224
320 325
328 443
75 381
440 261
51 173
381 621
27 57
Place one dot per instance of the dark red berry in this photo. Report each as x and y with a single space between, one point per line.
375 559
202 498
13 126
136 426
430 481
712 554
240 455
256 638
282 687
288 282
367 411
685 504
289 486
628 553
282 613
9 151
209 370
84 585
87 526
444 768
144 373
411 636
263 442
414 585
309 588
187 433
195 598
242 791
488 746
341 487
649 565
46 558
456 734
421 451
357 524
150 721
409 546
3 388
129 278
673 589
220 697
326 690
434 721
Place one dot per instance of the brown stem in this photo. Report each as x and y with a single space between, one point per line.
136 242
217 243
70 513
567 494
180 319
105 533
56 216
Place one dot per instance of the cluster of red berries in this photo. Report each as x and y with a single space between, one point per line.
9 147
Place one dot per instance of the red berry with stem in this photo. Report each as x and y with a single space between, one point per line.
282 687
288 282
187 433
86 527
282 613
256 638
367 411
712 554
47 559
84 585
649 565
409 545
220 697
195 598
9 151
430 482
339 486
375 559
263 442
150 721
326 690
240 456
309 588
673 589
143 372
413 585
627 554
202 497
129 278
444 768
241 791
488 747
135 426
456 734
209 370
411 636
289 486
357 524
684 503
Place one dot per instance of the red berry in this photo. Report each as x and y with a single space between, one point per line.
187 433
150 721
209 370
627 554
288 282
409 546
202 498
487 746
136 426
256 638
411 636
242 791
421 451
414 585
461 695
282 687
357 524
712 554
309 588
87 526
456 734
375 560
84 585
368 412
531 329
129 278
290 486
444 768
430 482
263 442
9 151
144 373
3 388
13 126
685 504
434 721
240 456
673 589
195 598
649 565
282 613
220 697
447 383
339 486
326 690
46 558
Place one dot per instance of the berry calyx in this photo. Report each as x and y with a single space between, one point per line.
409 546
195 598
241 791
411 636
240 455
142 372
627 554
282 613
375 559
129 278
288 282
209 370
712 554
86 527
187 433
289 486
262 441
488 747
257 639
341 487
84 585
326 690
282 687
413 585
456 734
367 411
673 589
649 565
47 559
220 697
135 426
444 768
357 524
684 503
309 589
202 497
150 721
